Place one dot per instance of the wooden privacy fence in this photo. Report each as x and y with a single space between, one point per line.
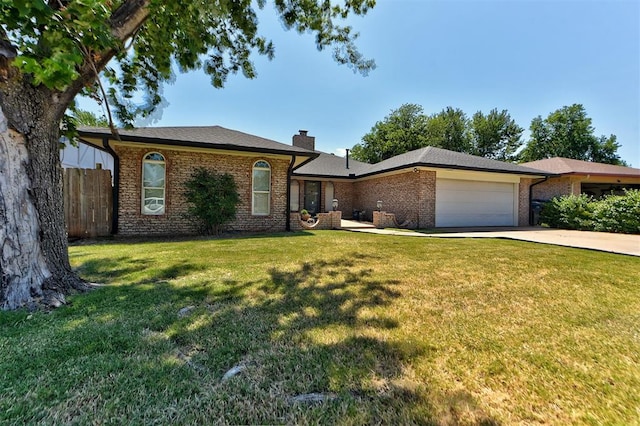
88 202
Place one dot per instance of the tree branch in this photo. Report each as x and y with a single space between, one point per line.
112 126
124 21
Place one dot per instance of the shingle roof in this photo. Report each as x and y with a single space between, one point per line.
423 157
326 165
560 165
329 165
205 136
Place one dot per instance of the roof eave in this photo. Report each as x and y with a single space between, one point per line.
312 156
325 176
613 175
540 174
203 145
455 167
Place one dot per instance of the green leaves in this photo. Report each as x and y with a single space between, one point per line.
53 40
449 129
213 198
61 41
407 128
613 213
567 132
495 135
401 131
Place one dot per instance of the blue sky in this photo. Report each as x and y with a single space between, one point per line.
528 57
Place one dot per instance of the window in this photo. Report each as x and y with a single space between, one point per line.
294 204
153 184
261 188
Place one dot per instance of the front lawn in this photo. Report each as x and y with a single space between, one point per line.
331 327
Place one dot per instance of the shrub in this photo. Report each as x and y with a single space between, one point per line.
614 213
569 212
213 198
618 213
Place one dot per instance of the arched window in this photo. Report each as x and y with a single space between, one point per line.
261 203
153 183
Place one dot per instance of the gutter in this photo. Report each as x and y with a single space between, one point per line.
310 158
287 212
546 178
116 185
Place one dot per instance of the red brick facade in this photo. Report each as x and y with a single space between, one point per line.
554 187
410 196
523 202
180 166
342 191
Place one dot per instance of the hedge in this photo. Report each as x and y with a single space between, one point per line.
613 213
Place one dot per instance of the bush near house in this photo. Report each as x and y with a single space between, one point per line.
614 213
213 199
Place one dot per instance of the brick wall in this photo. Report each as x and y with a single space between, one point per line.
323 221
179 168
410 196
384 220
427 218
342 191
554 187
523 202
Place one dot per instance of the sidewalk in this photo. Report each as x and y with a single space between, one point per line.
601 241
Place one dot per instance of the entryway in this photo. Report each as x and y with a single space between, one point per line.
312 197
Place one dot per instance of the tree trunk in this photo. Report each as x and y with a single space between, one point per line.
34 262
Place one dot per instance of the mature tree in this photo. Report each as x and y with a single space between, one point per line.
449 129
567 132
605 151
52 50
495 135
408 128
404 129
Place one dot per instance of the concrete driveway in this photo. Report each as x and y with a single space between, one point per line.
602 241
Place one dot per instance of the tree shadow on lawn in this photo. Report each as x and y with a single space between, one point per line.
133 240
321 328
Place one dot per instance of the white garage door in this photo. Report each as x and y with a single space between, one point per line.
474 203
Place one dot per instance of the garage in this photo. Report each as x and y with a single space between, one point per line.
475 203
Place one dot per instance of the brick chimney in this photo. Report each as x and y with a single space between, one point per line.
304 141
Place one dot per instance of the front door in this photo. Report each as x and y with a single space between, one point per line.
312 197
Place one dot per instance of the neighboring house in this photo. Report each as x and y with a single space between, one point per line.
84 156
582 177
429 187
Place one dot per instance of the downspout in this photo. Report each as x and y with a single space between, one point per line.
288 206
116 185
531 198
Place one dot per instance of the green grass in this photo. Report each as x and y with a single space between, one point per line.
395 330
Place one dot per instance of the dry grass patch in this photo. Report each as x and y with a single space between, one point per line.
374 329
